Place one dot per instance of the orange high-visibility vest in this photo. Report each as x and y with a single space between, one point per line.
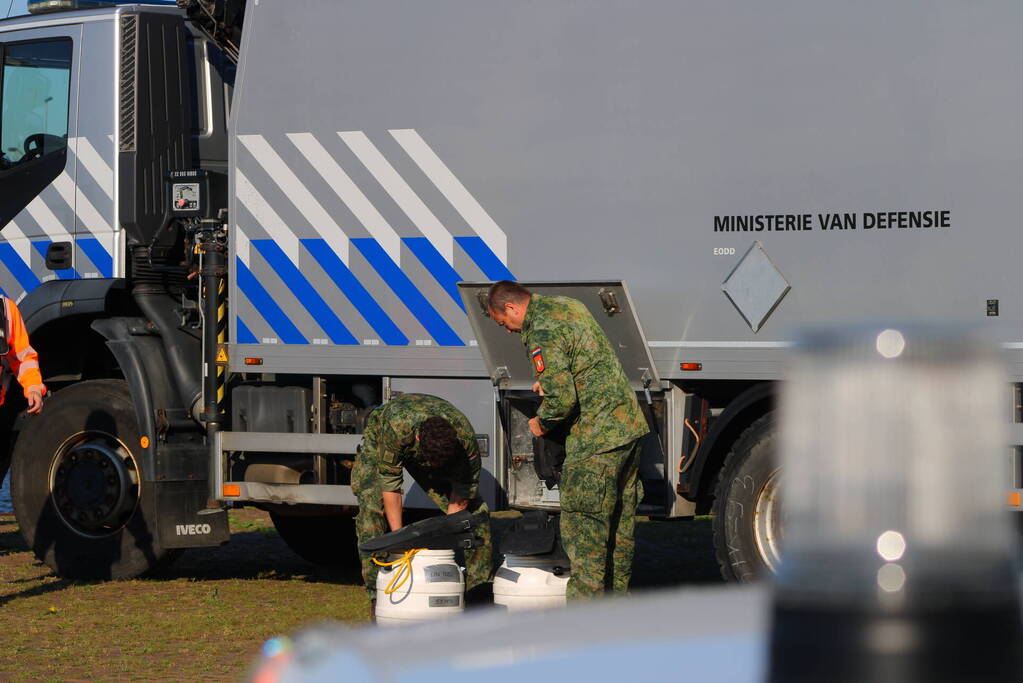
18 356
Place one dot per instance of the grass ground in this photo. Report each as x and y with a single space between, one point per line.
206 616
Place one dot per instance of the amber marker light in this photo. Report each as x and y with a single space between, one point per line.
232 490
690 366
253 361
144 442
1014 499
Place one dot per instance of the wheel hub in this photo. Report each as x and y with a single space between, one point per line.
767 524
94 486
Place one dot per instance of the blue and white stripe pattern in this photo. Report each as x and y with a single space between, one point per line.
336 242
77 207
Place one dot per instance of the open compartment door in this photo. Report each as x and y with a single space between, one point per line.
608 301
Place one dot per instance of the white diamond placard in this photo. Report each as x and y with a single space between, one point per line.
755 286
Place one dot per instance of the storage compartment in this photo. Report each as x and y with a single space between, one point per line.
257 408
531 483
524 486
270 409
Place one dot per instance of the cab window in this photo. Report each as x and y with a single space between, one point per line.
34 89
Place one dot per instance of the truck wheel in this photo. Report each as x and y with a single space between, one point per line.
77 486
325 540
747 514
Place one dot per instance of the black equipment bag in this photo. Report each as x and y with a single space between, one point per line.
537 532
549 456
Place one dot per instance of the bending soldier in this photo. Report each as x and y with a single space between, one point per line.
585 388
435 442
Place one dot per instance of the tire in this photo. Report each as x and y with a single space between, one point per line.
747 518
78 489
324 540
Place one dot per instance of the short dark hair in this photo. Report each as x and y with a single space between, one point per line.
506 292
438 440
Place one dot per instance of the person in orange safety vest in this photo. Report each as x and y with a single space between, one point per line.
19 359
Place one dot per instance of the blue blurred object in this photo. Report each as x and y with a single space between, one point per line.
15 8
720 634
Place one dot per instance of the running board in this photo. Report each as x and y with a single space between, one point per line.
279 442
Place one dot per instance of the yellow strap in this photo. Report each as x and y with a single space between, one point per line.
402 573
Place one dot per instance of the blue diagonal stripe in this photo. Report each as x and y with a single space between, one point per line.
245 335
348 284
19 269
304 292
407 292
65 273
99 256
488 262
267 307
439 268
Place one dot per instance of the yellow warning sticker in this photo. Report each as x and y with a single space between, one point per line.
222 354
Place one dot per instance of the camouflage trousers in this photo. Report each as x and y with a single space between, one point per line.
370 522
599 495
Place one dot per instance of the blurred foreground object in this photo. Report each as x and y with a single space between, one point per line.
715 634
898 557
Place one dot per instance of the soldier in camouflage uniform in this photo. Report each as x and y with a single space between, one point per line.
584 386
445 462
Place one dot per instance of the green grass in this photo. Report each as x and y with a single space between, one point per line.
205 618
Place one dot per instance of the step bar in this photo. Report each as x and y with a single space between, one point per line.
276 442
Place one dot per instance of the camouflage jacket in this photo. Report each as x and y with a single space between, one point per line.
398 423
582 379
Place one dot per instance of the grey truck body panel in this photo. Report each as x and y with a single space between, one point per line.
391 149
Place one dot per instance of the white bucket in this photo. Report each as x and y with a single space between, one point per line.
529 582
435 589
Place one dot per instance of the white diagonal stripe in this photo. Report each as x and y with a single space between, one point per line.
299 195
241 245
265 215
466 205
342 184
95 165
48 222
22 245
403 195
91 218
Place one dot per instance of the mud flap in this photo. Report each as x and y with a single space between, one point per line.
179 525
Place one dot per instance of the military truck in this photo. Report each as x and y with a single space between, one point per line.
234 228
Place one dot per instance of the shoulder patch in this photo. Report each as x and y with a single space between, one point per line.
537 356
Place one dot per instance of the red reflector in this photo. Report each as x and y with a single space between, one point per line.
253 361
690 366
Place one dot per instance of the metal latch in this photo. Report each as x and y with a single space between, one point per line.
610 301
647 379
499 375
482 296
